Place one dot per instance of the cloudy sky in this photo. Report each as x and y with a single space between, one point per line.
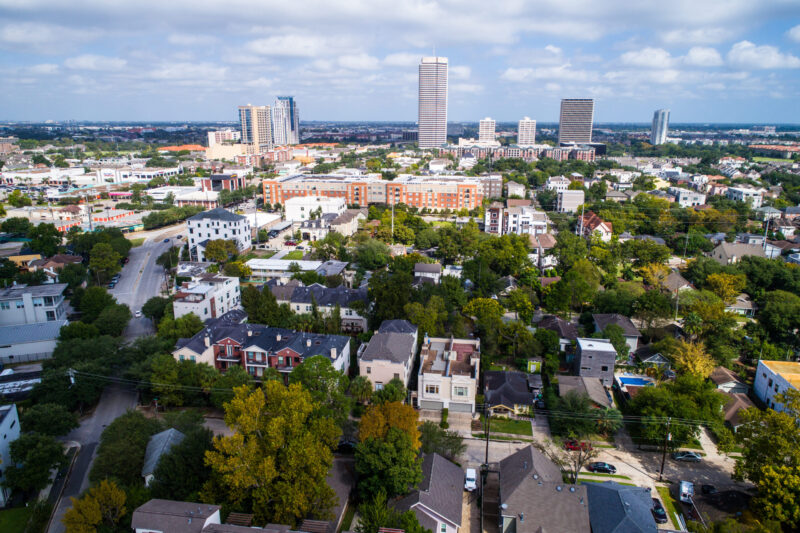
706 60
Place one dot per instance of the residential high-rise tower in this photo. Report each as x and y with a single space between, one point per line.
486 130
432 102
285 121
526 132
658 133
575 124
256 121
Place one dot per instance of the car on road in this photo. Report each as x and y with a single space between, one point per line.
573 445
471 480
112 285
290 243
659 513
689 457
708 489
602 468
166 240
138 314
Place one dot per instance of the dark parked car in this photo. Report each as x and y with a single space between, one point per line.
602 468
659 514
690 457
708 489
166 240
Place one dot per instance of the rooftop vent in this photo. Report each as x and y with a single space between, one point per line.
558 488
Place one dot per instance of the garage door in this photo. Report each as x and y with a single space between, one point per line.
460 407
427 404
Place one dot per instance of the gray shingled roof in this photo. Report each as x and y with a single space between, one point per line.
157 446
564 329
440 491
36 291
591 387
433 268
507 388
38 331
218 214
397 326
604 320
615 508
395 347
172 516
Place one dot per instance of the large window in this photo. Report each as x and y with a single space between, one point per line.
431 389
461 392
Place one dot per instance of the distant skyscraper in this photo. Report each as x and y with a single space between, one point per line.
575 125
285 121
486 130
432 102
658 134
256 123
526 132
221 136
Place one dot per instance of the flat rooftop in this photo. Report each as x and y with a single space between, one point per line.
436 359
787 370
599 345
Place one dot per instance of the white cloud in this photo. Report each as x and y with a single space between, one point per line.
471 88
302 45
695 36
43 38
262 83
43 69
562 72
794 33
459 72
187 71
188 39
648 58
747 55
553 49
402 59
702 56
359 62
95 62
552 87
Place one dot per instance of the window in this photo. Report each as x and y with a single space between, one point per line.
397 376
20 304
460 391
443 528
181 357
280 360
431 389
369 370
51 315
604 369
378 385
769 383
5 305
192 358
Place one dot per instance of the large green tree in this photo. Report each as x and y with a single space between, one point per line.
45 239
33 456
48 419
389 463
104 261
327 386
182 472
120 455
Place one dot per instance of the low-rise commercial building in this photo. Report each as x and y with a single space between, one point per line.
569 201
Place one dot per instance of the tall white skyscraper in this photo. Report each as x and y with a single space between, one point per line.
256 121
526 132
285 121
486 130
575 124
658 133
432 102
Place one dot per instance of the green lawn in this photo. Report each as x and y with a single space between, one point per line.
137 242
14 520
507 425
670 505
761 159
294 254
585 480
597 474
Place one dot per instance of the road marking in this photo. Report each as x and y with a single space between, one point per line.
139 277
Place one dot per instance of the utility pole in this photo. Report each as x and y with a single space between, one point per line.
686 244
766 230
667 438
393 220
255 217
581 224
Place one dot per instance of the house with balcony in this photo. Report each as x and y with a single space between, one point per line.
31 318
207 296
227 341
448 374
389 354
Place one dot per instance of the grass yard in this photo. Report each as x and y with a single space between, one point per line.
347 521
585 480
500 437
14 520
294 255
508 425
597 474
670 505
137 242
761 159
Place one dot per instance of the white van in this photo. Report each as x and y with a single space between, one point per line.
687 491
471 482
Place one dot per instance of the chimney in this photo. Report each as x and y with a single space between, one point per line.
278 337
308 343
206 341
249 332
333 353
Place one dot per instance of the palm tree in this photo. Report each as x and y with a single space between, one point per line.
361 389
609 421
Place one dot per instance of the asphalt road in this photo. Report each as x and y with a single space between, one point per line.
141 279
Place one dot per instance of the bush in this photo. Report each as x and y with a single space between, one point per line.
443 424
40 516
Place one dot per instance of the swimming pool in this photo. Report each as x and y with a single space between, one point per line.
636 382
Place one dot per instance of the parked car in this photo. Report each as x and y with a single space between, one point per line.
690 457
138 314
112 285
659 513
602 468
290 243
573 445
166 240
471 480
708 489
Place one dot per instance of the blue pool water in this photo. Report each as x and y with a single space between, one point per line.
638 382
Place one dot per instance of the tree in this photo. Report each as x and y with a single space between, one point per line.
769 438
779 495
726 286
376 513
442 441
381 418
182 327
571 415
155 307
237 269
616 335
388 463
372 254
571 461
609 421
428 318
276 462
78 330
568 249
361 389
394 391
781 316
33 456
220 250
169 259
120 455
45 239
692 358
103 505
165 380
48 419
73 274
17 199
651 307
654 274
104 261
92 303
182 472
224 384
327 386
113 320
519 302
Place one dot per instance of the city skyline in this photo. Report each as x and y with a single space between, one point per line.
707 61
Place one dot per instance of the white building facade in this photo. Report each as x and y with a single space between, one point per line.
207 296
526 132
658 131
432 102
214 225
302 207
486 130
